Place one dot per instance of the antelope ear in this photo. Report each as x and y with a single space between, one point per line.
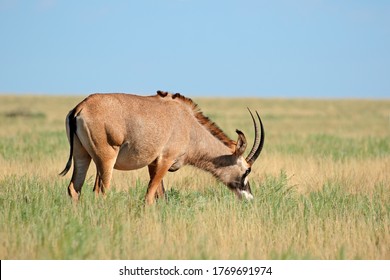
241 144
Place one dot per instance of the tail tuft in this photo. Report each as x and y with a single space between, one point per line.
71 121
67 167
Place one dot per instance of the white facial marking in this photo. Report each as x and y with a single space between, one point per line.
246 180
247 195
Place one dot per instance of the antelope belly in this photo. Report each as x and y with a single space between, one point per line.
130 159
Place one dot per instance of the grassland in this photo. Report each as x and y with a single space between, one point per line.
321 187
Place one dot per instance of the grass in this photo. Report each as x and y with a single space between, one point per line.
321 187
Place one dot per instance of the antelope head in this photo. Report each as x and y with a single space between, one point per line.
234 169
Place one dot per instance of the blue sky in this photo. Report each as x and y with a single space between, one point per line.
279 48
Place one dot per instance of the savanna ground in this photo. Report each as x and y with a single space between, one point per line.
321 188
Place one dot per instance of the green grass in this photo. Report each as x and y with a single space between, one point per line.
32 146
61 230
321 191
336 147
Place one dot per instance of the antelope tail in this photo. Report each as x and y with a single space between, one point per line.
71 124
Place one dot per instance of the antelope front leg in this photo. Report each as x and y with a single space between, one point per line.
152 173
157 172
160 193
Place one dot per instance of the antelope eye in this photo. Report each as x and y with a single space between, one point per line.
247 171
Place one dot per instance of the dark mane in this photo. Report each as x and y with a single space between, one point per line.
211 126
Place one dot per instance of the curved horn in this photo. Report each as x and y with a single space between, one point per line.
259 141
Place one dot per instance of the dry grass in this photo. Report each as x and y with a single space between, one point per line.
321 185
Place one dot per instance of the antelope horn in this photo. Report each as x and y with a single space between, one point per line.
259 141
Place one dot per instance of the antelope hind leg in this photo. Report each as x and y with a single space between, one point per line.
103 175
81 161
98 185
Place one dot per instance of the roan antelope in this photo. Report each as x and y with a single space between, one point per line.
164 132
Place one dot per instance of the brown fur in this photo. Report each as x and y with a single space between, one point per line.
211 126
